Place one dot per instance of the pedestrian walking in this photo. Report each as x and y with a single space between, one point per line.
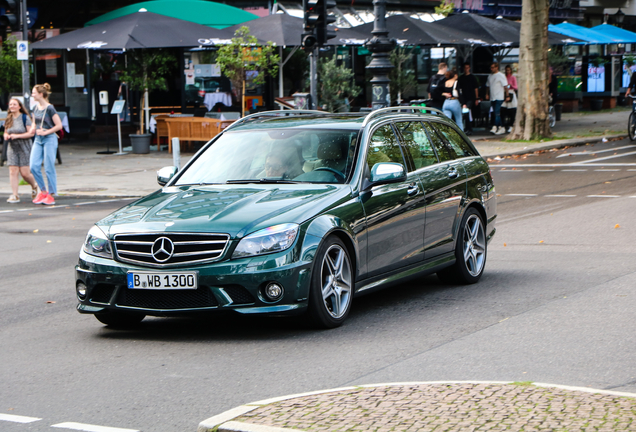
497 92
46 123
469 87
437 101
18 134
512 80
509 110
453 99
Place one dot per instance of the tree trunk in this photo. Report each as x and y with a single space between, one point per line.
532 122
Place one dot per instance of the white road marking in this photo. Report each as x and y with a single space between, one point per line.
523 195
574 170
85 203
604 170
596 160
596 152
560 196
38 208
542 170
18 419
603 196
90 428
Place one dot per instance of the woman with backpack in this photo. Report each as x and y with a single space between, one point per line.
18 134
46 123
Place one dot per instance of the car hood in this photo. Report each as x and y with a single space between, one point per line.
233 209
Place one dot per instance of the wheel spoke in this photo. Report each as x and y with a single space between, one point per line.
336 281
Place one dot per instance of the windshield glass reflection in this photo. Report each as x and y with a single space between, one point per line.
275 155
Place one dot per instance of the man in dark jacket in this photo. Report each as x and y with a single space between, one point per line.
435 80
470 88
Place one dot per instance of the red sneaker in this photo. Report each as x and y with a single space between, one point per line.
48 199
38 199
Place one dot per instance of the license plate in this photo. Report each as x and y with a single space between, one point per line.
162 281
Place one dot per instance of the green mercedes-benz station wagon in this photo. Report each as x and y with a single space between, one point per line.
290 212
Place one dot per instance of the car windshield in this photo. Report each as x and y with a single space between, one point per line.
275 156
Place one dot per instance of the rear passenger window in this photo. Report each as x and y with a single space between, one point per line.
444 152
417 144
455 140
384 147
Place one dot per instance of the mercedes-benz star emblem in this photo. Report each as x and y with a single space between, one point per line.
162 249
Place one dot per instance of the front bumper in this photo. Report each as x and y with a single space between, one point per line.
227 285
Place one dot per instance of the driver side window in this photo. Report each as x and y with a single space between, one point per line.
384 147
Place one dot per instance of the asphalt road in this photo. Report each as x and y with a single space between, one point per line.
556 304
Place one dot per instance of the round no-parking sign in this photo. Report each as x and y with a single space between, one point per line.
23 50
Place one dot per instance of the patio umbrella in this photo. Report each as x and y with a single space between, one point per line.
621 35
413 31
139 30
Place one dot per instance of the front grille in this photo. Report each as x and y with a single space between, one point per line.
169 248
167 299
239 294
101 293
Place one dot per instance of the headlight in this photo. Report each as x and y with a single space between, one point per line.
97 244
273 239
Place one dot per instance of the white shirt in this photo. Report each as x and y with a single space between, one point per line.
497 82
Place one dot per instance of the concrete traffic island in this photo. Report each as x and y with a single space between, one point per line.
436 406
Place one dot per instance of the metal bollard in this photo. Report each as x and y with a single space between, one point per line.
176 153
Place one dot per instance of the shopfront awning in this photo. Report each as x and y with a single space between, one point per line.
202 12
621 35
590 36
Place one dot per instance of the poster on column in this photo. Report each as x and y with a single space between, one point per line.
595 78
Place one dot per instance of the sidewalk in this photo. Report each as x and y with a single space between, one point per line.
83 172
435 406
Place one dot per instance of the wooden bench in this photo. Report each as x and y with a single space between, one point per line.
193 128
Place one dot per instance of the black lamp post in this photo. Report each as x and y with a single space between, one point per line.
619 16
380 46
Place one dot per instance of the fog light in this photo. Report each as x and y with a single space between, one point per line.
81 290
273 291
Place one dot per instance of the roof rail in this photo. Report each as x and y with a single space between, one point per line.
276 113
414 109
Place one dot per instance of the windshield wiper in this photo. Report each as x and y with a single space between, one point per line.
263 180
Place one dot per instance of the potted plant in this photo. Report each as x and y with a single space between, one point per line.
244 55
336 86
146 71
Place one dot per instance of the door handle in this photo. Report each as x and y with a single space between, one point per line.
412 189
452 173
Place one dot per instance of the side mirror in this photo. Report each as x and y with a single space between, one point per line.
165 174
387 172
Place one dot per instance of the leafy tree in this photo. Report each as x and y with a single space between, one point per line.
532 122
146 71
10 68
403 81
335 85
445 8
245 55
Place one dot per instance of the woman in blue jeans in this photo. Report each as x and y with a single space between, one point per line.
453 98
46 123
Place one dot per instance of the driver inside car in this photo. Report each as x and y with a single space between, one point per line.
278 166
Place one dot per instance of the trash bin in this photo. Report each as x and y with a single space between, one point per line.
596 104
558 109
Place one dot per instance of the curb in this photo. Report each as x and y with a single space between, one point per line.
552 144
224 422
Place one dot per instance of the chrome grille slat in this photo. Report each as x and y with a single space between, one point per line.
136 253
180 254
200 242
136 248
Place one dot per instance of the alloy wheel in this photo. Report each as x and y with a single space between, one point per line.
474 245
336 281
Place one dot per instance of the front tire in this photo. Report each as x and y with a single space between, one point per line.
117 319
631 126
470 251
331 291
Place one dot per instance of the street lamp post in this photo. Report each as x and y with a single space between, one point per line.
380 46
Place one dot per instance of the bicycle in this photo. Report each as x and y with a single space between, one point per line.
631 123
